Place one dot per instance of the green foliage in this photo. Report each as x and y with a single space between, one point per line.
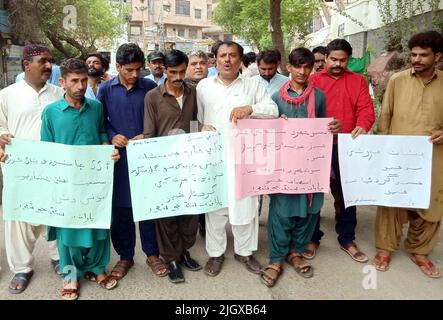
396 16
97 21
249 20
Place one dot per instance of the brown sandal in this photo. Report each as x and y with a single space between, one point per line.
108 283
267 278
214 265
158 267
305 269
122 267
66 293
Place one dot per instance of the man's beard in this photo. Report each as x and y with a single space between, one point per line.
95 73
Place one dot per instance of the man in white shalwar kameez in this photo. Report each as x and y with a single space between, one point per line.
221 99
21 106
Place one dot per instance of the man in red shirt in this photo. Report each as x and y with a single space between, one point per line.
347 100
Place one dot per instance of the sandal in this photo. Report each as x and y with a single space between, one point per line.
381 262
158 266
305 269
358 256
121 268
427 267
20 278
267 278
214 265
70 293
309 254
108 283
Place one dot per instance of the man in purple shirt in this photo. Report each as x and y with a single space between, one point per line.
123 102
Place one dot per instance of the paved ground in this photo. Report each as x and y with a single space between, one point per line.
336 275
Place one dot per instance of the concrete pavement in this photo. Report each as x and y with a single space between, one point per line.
336 275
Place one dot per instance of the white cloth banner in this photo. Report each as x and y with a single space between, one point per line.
386 170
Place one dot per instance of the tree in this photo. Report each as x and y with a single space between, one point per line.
396 16
267 23
74 28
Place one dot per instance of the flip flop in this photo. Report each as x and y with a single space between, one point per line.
425 267
20 278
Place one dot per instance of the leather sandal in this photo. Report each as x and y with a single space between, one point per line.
305 269
251 264
268 278
158 267
358 256
121 268
214 265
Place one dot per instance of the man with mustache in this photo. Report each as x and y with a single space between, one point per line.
347 100
76 120
157 66
170 109
97 67
123 103
320 58
268 62
413 105
221 99
21 107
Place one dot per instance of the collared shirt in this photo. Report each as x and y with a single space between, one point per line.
63 123
411 107
90 92
54 79
272 86
347 99
216 100
124 113
160 81
21 108
163 114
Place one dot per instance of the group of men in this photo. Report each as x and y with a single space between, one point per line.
179 92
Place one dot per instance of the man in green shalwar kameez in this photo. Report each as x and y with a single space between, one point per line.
76 120
292 217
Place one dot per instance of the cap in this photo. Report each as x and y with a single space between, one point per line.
156 55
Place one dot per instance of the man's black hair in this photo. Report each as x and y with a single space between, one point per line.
218 44
129 53
272 56
175 58
429 39
73 65
299 56
103 60
339 44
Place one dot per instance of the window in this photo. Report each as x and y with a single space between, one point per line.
193 33
167 8
341 30
183 7
181 33
209 11
198 13
135 30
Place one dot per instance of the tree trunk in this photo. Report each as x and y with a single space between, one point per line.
277 34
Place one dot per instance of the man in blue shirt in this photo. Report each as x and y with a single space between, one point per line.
268 62
123 102
157 66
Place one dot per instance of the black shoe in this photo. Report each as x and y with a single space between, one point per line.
175 273
188 262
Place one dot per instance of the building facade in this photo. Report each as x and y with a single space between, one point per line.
183 24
